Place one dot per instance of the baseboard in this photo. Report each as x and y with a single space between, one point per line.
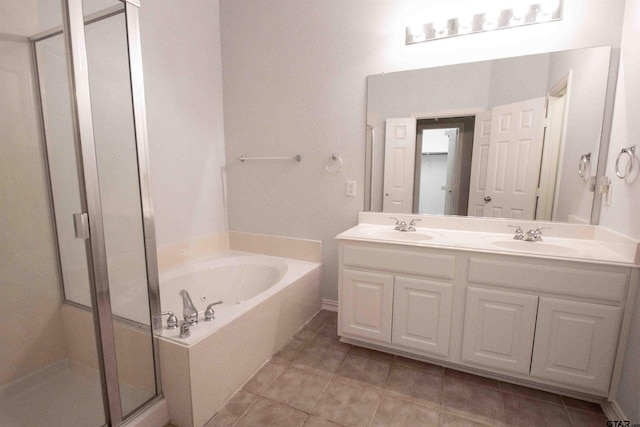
329 305
613 411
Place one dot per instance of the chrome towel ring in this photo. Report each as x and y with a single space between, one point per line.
585 160
334 163
631 152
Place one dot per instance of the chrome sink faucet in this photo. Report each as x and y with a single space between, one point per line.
403 226
188 309
529 236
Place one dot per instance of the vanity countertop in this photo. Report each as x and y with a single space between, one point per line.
572 242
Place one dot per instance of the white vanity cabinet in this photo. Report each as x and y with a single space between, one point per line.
368 300
422 314
576 342
499 328
553 322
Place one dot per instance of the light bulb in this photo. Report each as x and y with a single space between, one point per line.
492 18
440 26
464 23
548 7
416 31
520 10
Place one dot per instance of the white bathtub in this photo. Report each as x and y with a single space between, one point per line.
265 301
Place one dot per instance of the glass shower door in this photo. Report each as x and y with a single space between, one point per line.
113 217
120 192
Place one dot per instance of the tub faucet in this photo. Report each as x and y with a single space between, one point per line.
188 309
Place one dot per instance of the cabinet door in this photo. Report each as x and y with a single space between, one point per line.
422 315
576 342
498 329
367 304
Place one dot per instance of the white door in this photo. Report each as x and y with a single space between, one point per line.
422 315
576 343
399 165
479 163
498 329
367 304
515 151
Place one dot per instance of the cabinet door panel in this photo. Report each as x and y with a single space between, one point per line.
367 304
498 329
422 315
575 343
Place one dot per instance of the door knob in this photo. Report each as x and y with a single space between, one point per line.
487 199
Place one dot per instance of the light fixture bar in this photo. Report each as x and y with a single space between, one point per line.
540 12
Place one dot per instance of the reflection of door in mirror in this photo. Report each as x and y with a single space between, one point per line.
428 165
513 156
443 164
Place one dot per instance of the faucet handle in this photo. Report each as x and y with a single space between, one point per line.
412 224
209 314
519 233
398 222
172 320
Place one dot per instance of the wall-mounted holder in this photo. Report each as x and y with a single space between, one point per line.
333 163
583 165
244 158
631 153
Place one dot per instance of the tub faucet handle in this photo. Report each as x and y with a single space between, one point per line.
172 320
209 313
188 309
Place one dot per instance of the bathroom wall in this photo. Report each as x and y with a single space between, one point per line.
294 81
181 60
623 213
30 302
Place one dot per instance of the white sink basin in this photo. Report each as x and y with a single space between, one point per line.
405 236
536 247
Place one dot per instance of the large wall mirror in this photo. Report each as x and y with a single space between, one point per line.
512 138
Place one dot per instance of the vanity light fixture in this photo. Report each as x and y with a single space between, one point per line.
522 13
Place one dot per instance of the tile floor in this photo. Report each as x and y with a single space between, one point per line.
315 380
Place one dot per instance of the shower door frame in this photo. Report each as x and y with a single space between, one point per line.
86 160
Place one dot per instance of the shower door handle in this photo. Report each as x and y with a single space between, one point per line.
81 225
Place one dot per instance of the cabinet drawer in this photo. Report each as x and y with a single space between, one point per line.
423 264
587 282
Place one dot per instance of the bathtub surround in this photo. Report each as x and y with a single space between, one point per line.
286 247
177 254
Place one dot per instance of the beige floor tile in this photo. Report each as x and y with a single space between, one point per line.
586 419
479 403
298 387
400 413
347 404
452 420
475 379
372 354
370 371
266 413
531 392
291 350
306 333
328 335
582 405
522 411
325 358
266 375
415 364
233 410
418 386
318 422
